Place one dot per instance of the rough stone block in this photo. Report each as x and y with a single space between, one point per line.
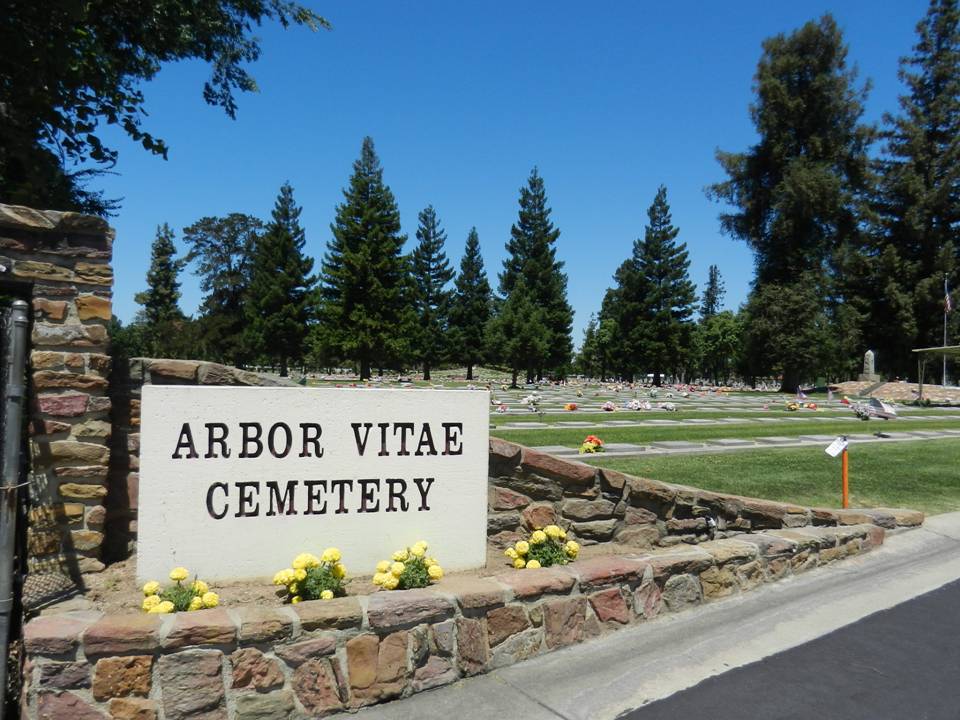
472 593
724 551
47 379
201 627
56 451
86 540
435 672
192 685
607 570
681 591
64 675
679 561
93 307
504 622
35 270
649 494
506 499
173 369
581 510
539 516
768 545
122 676
563 621
472 645
133 709
253 669
316 684
122 634
312 649
523 645
265 706
56 634
79 491
49 309
377 669
564 472
338 613
261 624
610 605
93 273
531 583
599 530
68 405
61 705
406 608
718 582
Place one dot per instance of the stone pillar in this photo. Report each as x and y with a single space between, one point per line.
61 262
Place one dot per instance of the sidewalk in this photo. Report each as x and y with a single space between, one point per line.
628 669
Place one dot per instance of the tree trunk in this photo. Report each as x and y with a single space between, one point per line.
364 369
426 371
469 372
791 381
513 383
656 378
283 367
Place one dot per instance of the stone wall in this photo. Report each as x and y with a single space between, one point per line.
126 381
530 489
318 657
61 262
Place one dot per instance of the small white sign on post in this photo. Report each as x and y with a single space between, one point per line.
836 447
235 482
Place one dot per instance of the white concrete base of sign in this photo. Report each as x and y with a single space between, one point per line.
235 482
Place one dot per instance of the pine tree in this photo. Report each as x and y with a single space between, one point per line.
365 311
279 298
519 333
431 299
532 255
663 265
920 194
471 306
223 249
160 298
621 313
713 293
799 192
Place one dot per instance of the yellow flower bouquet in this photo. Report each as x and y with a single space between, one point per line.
543 548
313 578
409 568
178 597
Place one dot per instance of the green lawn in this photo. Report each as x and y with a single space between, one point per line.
594 417
923 475
640 435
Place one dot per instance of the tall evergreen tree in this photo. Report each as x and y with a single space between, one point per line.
920 195
365 311
799 192
279 297
470 309
160 299
622 314
532 255
431 298
664 265
519 333
223 248
713 293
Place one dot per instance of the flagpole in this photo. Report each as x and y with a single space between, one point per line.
946 309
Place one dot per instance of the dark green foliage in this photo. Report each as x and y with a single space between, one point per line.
160 298
533 258
67 67
319 578
713 293
470 308
279 297
180 595
919 201
719 341
366 315
415 574
431 300
519 334
799 196
653 300
222 248
548 553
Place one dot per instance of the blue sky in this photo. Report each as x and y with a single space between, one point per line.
462 100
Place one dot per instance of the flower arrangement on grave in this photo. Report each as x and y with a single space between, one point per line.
633 405
178 597
570 407
608 406
543 548
579 392
591 444
501 408
793 406
312 578
668 406
410 568
532 401
811 406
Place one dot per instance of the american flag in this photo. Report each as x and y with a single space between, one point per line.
947 305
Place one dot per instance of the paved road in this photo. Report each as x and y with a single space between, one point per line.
899 663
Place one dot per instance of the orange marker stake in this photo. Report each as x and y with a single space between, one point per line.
846 485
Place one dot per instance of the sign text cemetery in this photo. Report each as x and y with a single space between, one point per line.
236 481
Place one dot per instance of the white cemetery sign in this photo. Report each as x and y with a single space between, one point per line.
235 482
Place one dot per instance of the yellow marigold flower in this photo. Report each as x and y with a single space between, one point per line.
400 556
179 573
210 599
330 555
300 575
563 534
511 553
164 607
519 563
430 562
339 570
523 547
378 578
391 582
383 566
572 548
312 561
418 551
150 601
435 572
300 561
397 569
195 604
293 588
151 588
326 594
295 599
421 543
278 578
199 587
552 531
537 537
533 564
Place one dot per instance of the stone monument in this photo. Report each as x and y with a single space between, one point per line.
868 374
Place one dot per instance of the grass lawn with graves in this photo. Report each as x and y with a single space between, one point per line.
923 475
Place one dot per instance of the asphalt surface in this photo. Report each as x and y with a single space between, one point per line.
898 663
